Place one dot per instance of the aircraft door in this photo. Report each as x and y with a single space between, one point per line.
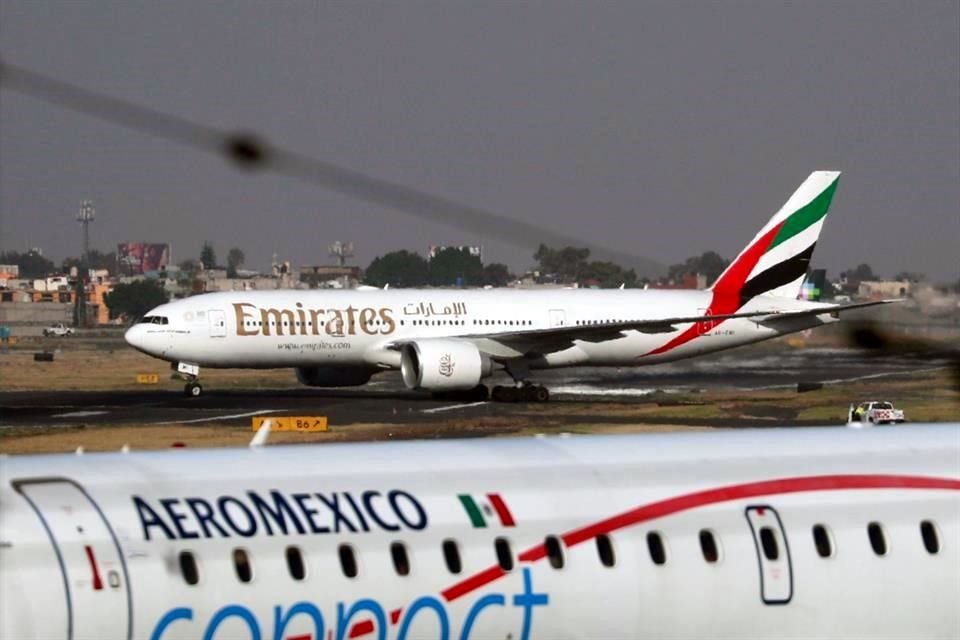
94 572
558 318
773 555
218 323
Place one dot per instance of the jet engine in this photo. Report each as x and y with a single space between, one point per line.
333 376
443 365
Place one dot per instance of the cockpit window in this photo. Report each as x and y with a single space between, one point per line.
154 320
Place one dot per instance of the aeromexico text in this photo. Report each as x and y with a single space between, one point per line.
279 513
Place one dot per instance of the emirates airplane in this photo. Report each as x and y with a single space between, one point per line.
782 533
451 340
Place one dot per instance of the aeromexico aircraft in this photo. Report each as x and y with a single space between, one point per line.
785 533
451 340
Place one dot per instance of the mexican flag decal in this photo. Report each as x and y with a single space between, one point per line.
490 508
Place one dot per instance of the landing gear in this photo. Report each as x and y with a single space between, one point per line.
523 390
522 393
190 373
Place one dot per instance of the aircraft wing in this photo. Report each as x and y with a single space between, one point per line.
556 338
771 319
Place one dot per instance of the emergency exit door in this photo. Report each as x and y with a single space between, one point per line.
558 317
94 573
773 555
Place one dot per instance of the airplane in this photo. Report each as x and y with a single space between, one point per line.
771 533
448 341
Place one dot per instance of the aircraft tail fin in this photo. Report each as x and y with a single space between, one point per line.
776 260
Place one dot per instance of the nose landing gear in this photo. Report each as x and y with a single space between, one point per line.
190 373
193 389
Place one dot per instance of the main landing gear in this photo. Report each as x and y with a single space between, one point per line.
190 373
522 393
522 390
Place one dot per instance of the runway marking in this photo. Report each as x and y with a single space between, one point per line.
455 406
79 414
213 418
589 390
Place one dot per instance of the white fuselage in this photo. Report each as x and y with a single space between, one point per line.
814 533
355 328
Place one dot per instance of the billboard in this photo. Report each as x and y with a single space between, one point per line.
137 258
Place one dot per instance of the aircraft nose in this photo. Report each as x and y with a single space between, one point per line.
136 337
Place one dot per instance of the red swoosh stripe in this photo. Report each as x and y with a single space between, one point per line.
695 500
726 291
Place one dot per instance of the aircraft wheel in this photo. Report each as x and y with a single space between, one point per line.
505 394
192 390
541 394
480 393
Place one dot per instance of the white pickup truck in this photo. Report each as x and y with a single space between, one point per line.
59 329
876 413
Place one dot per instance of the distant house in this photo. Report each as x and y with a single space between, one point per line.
879 289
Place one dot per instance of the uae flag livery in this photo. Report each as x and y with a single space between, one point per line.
775 262
487 510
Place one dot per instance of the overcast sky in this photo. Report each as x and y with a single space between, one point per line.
658 129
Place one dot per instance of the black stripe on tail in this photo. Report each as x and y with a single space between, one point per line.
778 275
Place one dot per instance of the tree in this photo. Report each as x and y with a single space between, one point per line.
709 264
608 275
566 265
496 275
398 269
208 257
453 266
235 258
31 264
133 300
861 273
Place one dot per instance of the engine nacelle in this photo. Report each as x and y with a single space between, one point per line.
443 365
333 376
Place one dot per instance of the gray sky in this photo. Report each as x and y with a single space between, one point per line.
658 129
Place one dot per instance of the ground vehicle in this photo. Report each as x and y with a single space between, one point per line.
876 413
59 329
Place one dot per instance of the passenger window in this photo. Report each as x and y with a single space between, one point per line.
821 540
348 561
188 568
708 545
877 540
768 540
241 563
658 553
451 554
401 561
295 563
504 555
931 541
605 550
554 551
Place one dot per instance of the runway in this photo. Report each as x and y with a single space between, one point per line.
386 401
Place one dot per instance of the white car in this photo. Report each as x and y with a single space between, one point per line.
59 329
876 413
